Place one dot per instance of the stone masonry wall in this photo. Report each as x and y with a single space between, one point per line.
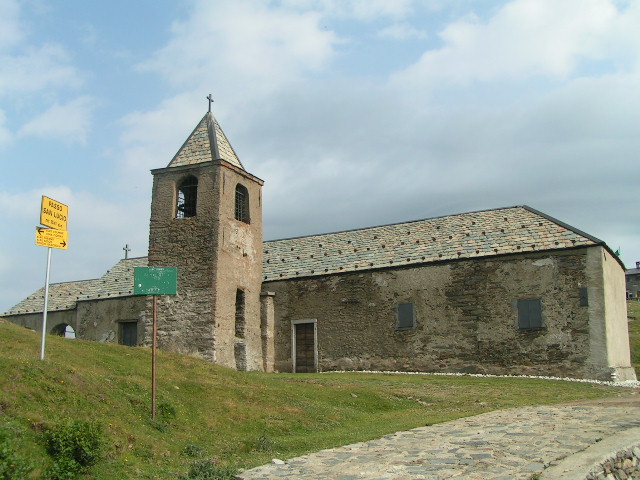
238 267
625 465
215 255
466 317
98 319
185 322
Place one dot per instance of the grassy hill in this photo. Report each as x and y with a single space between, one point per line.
209 412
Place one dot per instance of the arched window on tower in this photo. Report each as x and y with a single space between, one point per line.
242 203
187 197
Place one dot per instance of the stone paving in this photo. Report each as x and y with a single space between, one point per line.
502 445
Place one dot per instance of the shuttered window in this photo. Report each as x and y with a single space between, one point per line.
530 314
584 297
406 315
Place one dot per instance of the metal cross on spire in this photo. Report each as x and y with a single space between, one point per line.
210 98
126 251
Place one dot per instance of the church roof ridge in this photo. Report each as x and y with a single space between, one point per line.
482 233
206 142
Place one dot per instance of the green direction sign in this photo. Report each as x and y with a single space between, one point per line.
155 280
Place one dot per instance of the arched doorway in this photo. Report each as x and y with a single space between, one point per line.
64 330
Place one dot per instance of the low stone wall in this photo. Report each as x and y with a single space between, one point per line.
613 458
625 465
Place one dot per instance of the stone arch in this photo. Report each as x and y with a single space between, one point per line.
63 330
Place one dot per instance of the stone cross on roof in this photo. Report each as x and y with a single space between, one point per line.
210 98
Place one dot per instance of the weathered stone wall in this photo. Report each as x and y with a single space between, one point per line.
98 319
95 320
185 322
33 321
466 316
633 285
624 465
238 266
215 255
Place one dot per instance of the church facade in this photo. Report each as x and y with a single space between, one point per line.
502 291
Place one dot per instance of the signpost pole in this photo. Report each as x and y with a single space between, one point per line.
46 304
155 281
153 359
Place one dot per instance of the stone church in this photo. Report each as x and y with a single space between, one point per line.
502 291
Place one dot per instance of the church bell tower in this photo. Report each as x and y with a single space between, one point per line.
206 220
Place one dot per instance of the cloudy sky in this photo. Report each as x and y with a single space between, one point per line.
355 113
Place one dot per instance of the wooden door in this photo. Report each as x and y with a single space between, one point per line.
129 333
305 350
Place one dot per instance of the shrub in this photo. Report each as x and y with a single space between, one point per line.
159 425
73 446
166 411
12 466
63 468
208 469
264 444
192 450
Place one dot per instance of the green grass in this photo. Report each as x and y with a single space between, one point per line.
634 333
206 411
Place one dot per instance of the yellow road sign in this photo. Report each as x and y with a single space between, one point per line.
49 237
53 213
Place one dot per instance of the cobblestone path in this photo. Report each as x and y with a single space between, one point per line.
502 445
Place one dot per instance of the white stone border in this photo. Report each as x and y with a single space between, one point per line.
624 384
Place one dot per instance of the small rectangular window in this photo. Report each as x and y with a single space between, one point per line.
584 297
406 315
240 317
530 314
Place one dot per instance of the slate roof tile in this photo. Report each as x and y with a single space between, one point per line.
467 235
116 282
207 142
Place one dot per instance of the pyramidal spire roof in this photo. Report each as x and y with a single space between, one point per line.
206 142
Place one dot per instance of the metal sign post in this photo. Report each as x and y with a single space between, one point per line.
155 281
46 302
153 357
53 214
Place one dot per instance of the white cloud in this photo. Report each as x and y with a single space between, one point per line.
363 10
69 122
524 38
5 134
35 69
10 30
150 139
258 48
401 31
25 66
